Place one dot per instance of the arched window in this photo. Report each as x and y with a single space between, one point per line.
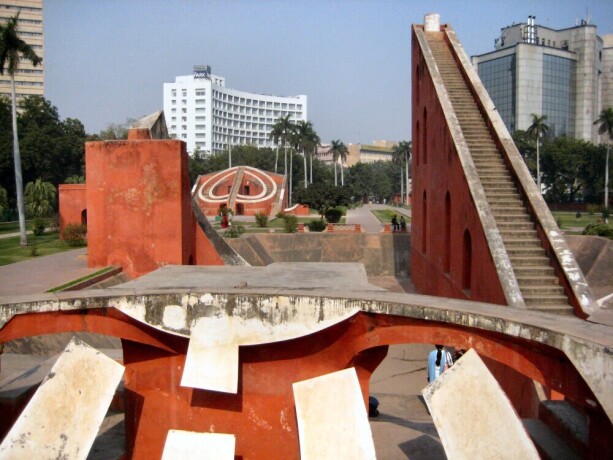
447 234
424 225
466 261
425 137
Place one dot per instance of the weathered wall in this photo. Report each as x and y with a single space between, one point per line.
382 254
138 201
437 256
73 203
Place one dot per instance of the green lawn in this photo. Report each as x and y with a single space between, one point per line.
385 215
11 227
567 219
44 245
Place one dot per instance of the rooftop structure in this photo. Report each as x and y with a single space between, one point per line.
561 73
201 111
29 80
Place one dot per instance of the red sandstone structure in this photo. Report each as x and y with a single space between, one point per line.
140 216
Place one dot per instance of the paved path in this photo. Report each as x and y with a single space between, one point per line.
364 216
40 274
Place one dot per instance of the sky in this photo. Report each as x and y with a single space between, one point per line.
107 60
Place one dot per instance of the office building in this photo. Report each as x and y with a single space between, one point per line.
29 80
559 73
201 111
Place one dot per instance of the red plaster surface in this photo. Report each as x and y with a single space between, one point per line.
73 201
138 201
427 265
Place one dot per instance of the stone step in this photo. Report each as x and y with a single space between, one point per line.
519 251
498 209
566 420
549 445
508 225
533 260
513 232
525 243
520 218
533 270
559 307
549 289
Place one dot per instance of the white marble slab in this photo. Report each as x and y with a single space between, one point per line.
332 419
189 445
473 416
62 418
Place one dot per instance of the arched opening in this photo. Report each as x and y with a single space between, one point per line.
84 217
424 223
447 234
466 262
425 137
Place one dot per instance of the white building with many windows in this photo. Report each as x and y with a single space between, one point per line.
201 111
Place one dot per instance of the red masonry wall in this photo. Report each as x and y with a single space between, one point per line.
444 216
138 201
73 204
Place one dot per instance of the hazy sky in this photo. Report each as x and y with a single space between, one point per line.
107 60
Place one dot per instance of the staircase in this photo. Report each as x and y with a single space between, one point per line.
535 275
238 180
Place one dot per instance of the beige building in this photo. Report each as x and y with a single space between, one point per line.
29 80
377 151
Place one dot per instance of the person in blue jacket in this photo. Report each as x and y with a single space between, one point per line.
439 360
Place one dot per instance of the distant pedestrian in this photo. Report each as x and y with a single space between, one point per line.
394 223
403 224
439 360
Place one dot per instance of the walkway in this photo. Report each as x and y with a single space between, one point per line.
40 274
364 216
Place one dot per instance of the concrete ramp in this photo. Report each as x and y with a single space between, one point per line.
62 418
473 416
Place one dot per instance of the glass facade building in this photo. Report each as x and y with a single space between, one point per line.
498 77
559 76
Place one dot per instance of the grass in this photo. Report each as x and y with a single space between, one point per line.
11 227
44 245
385 215
568 219
80 280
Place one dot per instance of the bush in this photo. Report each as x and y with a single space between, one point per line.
599 229
333 215
261 219
342 209
38 226
234 231
291 223
317 225
75 235
592 208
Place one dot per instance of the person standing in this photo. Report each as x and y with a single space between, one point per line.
439 360
403 224
394 224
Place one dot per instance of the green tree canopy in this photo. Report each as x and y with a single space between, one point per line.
322 197
40 198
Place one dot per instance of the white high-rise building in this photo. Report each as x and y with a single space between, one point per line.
201 111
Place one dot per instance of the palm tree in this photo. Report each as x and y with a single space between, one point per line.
306 140
314 143
284 129
402 155
40 198
275 134
605 122
12 49
339 150
536 130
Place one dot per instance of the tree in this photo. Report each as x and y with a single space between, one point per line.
537 129
283 129
562 164
12 49
40 198
339 150
323 197
4 202
605 126
402 156
306 140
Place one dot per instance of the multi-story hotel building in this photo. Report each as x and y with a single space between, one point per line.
201 111
559 73
29 80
